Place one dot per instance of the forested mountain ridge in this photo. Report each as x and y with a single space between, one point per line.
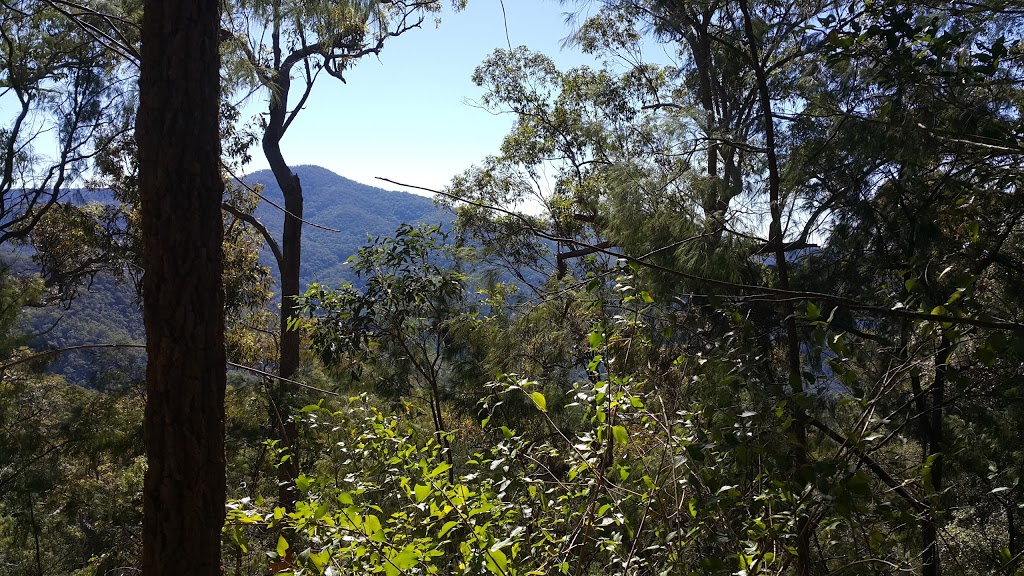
106 310
352 211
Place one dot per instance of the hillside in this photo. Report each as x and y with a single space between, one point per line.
107 311
355 210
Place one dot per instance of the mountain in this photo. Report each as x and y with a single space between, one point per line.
355 210
106 312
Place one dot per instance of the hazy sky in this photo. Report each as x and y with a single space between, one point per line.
410 116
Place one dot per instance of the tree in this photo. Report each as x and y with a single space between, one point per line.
403 325
273 43
916 163
305 39
183 300
895 141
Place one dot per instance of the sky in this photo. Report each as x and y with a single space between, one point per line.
410 116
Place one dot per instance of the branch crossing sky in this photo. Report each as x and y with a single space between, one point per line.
410 115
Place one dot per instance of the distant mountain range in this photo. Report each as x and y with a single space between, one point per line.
355 210
107 313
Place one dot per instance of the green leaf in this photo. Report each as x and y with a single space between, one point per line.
1005 555
986 355
320 559
405 559
596 339
840 41
812 311
447 528
838 345
859 485
302 482
282 546
421 492
540 401
439 469
373 530
620 434
238 537
497 562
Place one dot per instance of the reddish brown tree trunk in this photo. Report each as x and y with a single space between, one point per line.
180 184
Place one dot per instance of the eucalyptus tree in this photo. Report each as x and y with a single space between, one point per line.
787 109
401 331
284 48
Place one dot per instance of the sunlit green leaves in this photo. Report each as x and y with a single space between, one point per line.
539 401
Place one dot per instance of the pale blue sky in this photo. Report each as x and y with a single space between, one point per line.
410 116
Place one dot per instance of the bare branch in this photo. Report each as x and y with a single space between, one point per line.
252 221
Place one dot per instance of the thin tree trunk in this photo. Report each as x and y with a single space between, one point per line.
35 533
288 267
775 239
179 179
931 562
713 203
291 259
291 252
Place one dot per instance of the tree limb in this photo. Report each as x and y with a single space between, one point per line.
252 221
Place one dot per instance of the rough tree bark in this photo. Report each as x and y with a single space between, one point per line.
181 188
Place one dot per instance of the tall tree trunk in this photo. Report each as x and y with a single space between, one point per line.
35 534
291 189
713 203
776 240
289 266
931 562
291 251
179 179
